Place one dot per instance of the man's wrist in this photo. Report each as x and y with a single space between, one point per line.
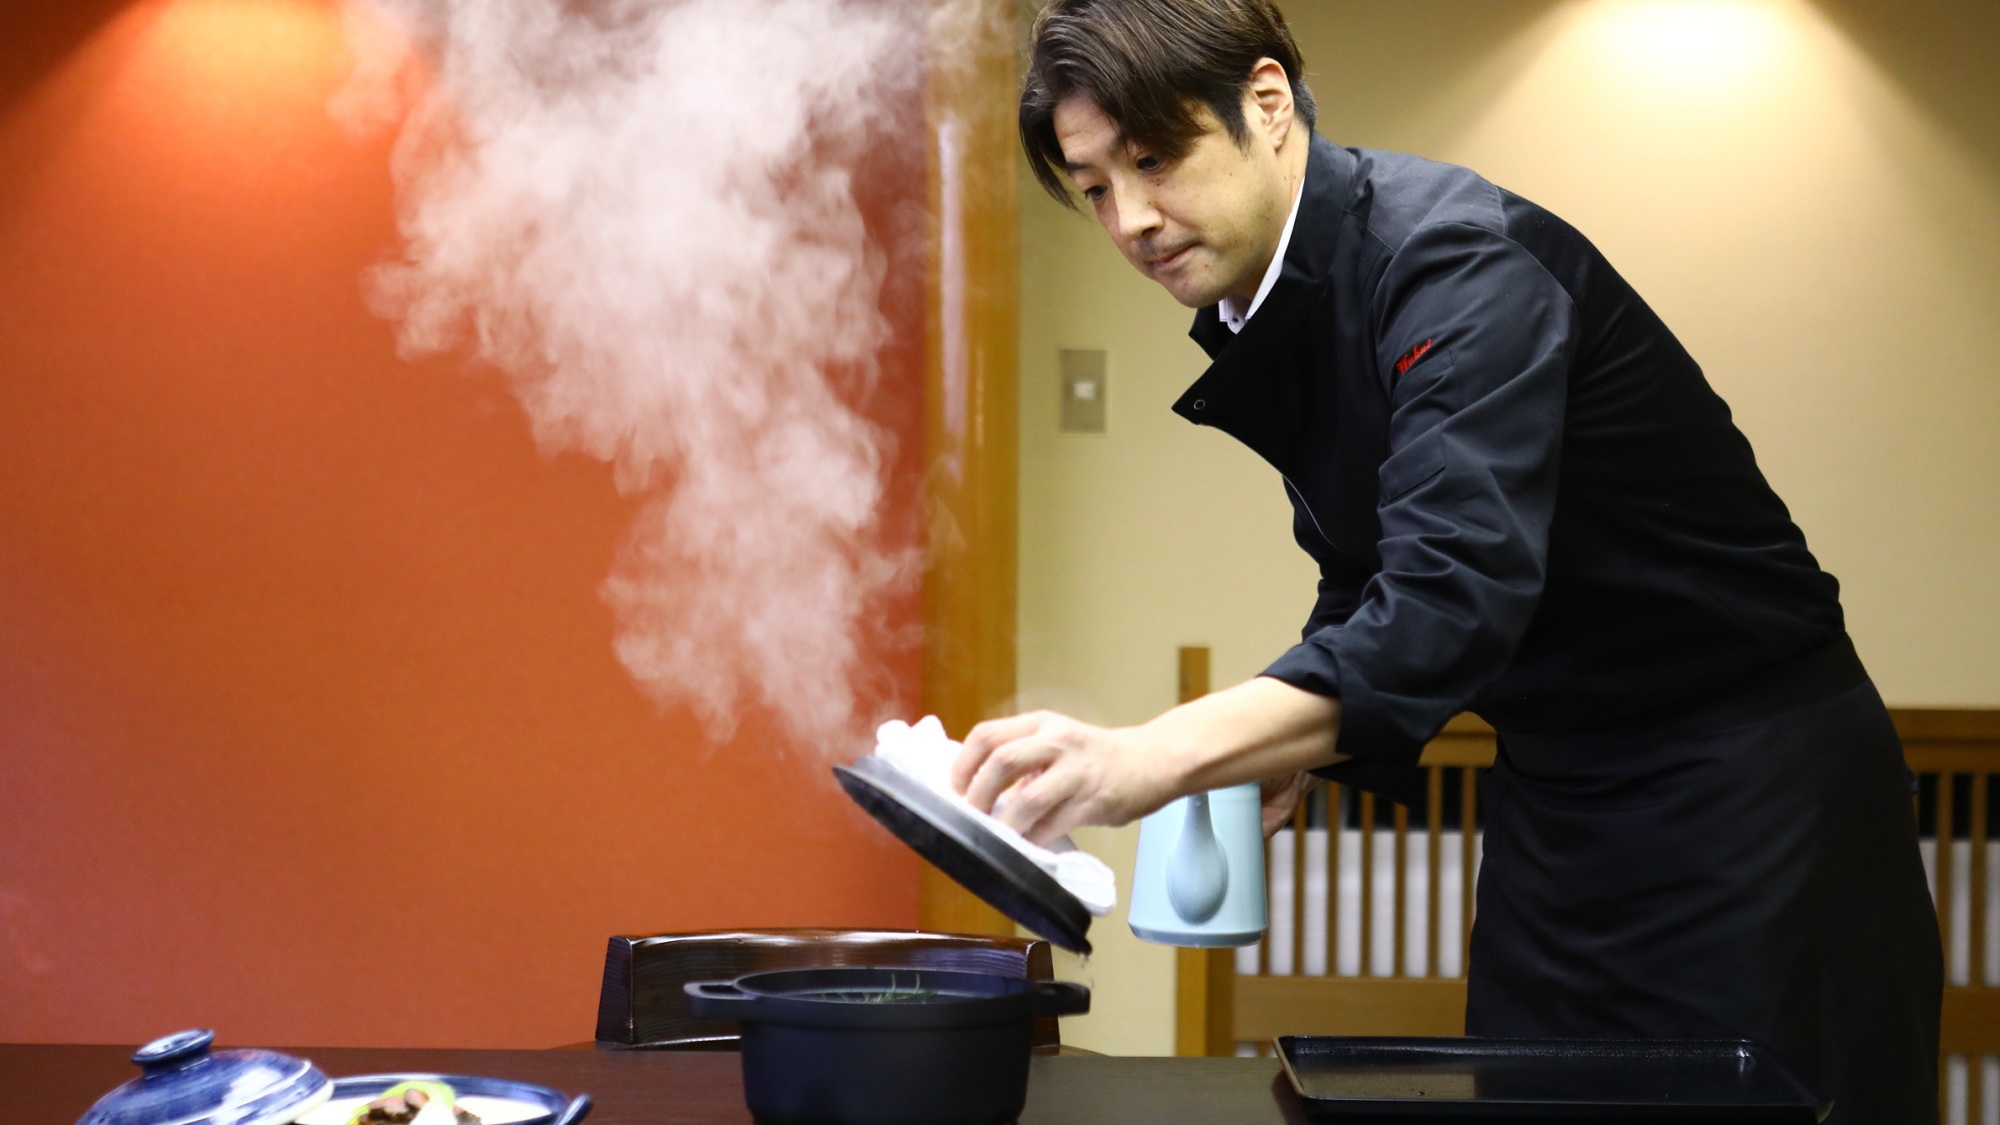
1194 744
1172 758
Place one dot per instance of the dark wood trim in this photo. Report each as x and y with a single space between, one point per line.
1971 1021
1204 1002
1459 751
1957 740
1466 723
1922 724
1194 679
1943 724
1204 979
1267 1007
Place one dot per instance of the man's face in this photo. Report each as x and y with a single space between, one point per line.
1204 226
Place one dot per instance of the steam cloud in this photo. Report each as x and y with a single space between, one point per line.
643 212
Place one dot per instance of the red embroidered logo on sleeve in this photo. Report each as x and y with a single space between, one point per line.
1410 357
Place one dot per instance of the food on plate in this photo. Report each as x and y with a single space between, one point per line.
414 1103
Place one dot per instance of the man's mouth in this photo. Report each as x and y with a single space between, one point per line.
1170 260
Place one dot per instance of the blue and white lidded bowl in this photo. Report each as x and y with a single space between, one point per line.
187 1084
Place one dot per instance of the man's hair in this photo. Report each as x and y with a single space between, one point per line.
1151 65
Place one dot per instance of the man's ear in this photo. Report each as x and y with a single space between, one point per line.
1268 102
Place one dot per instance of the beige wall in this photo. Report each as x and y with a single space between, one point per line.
1808 193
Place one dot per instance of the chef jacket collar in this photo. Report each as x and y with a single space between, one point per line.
1324 199
1226 308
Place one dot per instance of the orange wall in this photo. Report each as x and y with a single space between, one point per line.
310 726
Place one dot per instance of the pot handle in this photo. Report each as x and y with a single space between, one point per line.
717 999
1061 998
577 1111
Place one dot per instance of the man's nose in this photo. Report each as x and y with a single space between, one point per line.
1137 218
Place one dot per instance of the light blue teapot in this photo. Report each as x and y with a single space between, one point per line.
1199 879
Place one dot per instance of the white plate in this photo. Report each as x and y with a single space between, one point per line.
489 1111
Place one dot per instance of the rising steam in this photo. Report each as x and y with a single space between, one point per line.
643 212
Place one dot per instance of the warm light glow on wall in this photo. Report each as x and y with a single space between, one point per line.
1698 84
1690 48
217 98
235 40
220 73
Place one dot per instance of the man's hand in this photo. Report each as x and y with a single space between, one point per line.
1057 773
1043 774
1282 796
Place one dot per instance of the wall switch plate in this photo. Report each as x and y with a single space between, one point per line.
1083 392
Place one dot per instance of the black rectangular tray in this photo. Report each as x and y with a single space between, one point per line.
1597 1080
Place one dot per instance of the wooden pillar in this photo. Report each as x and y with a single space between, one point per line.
1204 979
970 412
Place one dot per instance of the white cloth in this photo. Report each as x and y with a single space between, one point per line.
1226 308
924 752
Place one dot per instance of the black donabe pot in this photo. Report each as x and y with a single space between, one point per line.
903 1046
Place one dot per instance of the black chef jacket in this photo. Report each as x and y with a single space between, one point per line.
1524 499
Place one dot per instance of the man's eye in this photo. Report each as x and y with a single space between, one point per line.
1094 194
1148 164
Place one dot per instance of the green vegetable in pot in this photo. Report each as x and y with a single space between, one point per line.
916 993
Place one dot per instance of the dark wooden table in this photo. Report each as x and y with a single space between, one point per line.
54 1085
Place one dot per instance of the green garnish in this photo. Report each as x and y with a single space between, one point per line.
414 1101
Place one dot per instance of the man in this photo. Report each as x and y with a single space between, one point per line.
1526 502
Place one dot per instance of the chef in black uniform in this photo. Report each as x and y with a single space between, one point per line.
1526 502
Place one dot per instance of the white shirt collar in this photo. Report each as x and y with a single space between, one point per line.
1226 308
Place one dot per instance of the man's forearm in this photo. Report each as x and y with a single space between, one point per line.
1259 729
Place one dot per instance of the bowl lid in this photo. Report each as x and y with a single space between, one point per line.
187 1084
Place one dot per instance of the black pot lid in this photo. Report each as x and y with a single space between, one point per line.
187 1084
972 854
